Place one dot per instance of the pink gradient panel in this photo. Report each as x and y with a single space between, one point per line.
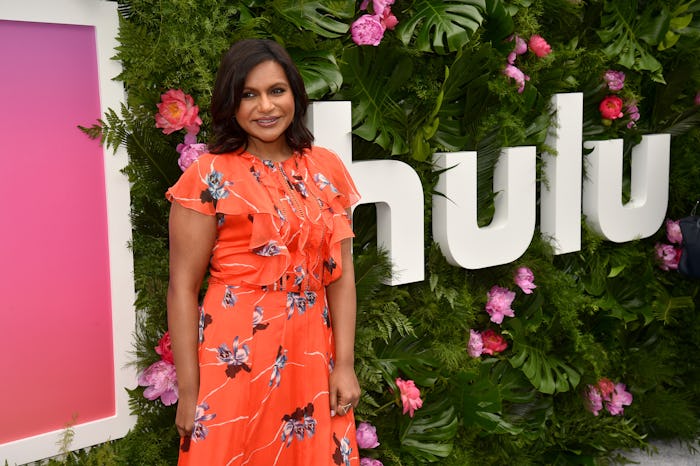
56 356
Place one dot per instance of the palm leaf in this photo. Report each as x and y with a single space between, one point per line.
624 38
372 75
444 26
320 72
429 433
409 357
547 373
323 17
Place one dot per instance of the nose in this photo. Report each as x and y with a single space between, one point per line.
265 103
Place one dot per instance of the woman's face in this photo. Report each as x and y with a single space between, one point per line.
266 109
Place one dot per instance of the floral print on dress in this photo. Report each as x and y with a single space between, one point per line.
299 301
299 424
280 362
342 451
257 320
326 317
230 297
322 182
235 358
199 430
204 320
267 250
330 265
216 188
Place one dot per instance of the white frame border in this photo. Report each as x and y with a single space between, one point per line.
102 15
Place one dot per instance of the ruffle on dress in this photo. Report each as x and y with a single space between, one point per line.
240 187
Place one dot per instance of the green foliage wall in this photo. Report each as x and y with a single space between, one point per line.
436 83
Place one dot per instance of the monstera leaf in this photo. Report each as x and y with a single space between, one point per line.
372 76
443 25
429 433
409 357
547 373
325 18
628 40
319 71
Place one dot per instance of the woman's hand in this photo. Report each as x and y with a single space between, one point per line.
344 390
184 417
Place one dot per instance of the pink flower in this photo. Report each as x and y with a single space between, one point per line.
620 397
364 461
498 304
594 402
189 151
667 256
633 113
611 107
520 48
388 19
165 349
605 387
366 435
515 73
493 342
176 111
539 46
161 380
410 396
615 80
476 345
367 30
524 278
673 231
378 6
697 99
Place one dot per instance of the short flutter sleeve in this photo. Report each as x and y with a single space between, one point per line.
329 166
200 187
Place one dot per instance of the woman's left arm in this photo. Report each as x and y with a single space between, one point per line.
342 301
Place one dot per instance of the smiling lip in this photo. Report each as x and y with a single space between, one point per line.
267 121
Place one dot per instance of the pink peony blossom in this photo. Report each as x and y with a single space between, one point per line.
476 345
493 342
633 113
161 380
189 151
515 73
524 278
378 6
605 387
539 46
176 111
620 397
364 461
611 107
410 396
367 30
498 303
594 402
520 48
388 19
615 80
673 231
366 435
667 256
164 348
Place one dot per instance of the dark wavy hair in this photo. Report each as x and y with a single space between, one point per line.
235 65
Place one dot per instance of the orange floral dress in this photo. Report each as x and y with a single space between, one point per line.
266 347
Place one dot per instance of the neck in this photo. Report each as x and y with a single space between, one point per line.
277 152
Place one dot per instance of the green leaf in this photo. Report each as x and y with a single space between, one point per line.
624 37
442 25
320 72
372 75
546 373
429 433
409 357
323 17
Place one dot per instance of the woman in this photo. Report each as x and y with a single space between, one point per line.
265 366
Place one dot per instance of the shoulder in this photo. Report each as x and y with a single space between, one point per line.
324 159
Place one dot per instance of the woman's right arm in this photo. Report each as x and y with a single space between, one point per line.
192 237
